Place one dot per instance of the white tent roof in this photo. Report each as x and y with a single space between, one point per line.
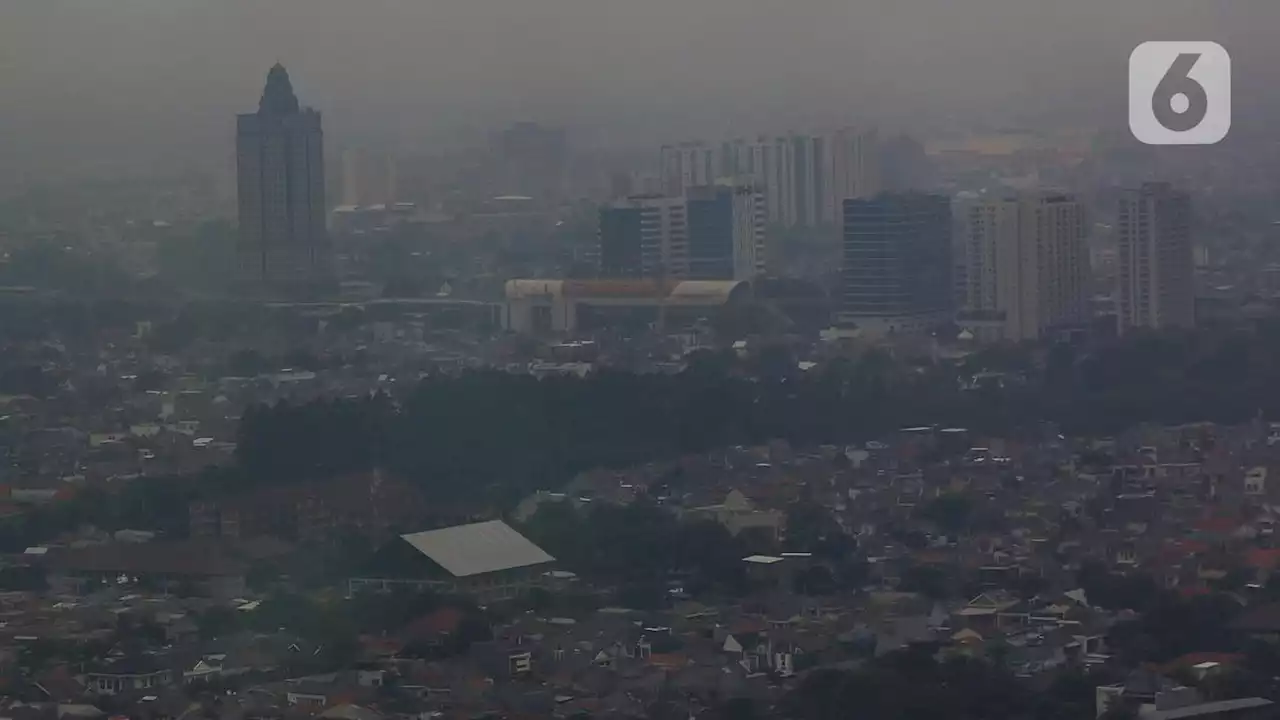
485 547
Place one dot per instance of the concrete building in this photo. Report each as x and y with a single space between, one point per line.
1155 283
644 236
686 165
896 264
851 167
726 232
770 163
1026 264
283 247
138 673
809 158
805 178
543 307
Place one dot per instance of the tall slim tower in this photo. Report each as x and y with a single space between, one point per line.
1154 253
770 162
1026 262
284 248
852 169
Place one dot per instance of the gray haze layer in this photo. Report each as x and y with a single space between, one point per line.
88 86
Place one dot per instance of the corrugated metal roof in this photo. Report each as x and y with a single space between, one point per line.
466 550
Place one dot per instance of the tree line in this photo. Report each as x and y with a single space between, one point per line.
490 435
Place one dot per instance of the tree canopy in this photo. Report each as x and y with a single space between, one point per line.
487 431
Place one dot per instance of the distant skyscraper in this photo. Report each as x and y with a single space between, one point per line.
810 158
1026 262
770 163
726 232
644 236
283 245
851 166
1154 254
804 178
896 273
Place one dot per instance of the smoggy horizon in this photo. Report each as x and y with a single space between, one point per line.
148 86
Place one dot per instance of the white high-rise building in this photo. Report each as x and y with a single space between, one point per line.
1026 263
782 168
851 166
749 256
773 170
687 165
1154 253
804 178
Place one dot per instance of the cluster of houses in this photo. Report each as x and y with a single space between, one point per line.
1192 507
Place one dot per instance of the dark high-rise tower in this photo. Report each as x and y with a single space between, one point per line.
726 232
896 272
284 248
622 241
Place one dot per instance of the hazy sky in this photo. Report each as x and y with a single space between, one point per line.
93 85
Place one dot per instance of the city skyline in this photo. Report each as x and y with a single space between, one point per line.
591 360
492 62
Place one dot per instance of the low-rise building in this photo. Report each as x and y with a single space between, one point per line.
487 560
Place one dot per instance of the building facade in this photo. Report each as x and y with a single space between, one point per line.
896 263
686 165
803 178
726 232
284 248
1026 265
852 168
1155 273
558 307
644 236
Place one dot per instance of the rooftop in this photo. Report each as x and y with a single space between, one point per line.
466 550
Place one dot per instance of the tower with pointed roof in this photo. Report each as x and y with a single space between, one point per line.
284 248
